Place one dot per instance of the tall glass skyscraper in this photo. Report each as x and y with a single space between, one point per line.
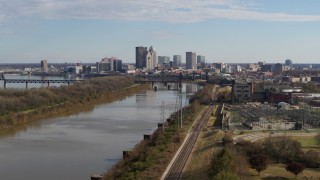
191 60
140 57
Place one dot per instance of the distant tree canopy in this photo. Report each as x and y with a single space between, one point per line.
282 149
308 87
222 163
12 100
18 100
204 95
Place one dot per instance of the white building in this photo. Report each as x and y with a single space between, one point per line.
151 58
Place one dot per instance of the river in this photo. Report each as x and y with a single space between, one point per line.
77 146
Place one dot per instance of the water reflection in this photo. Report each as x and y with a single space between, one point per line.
74 147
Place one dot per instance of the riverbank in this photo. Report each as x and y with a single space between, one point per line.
18 108
150 158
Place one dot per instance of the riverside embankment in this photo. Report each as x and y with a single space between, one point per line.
21 106
150 158
79 145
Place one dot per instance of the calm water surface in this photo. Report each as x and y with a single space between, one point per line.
77 146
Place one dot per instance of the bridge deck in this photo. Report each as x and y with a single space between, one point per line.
40 81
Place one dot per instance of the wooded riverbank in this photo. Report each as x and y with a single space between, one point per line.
19 107
150 158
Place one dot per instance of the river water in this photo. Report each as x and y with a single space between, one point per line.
77 146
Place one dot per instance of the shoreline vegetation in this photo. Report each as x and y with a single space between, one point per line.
20 107
150 158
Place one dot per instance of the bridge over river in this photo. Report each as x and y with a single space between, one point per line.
42 81
170 78
164 78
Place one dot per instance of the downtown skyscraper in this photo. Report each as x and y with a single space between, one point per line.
146 58
191 62
176 61
140 57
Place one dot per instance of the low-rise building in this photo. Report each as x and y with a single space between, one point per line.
242 92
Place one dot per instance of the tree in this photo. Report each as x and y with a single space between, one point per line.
311 159
222 162
317 137
227 139
258 159
259 162
295 168
282 149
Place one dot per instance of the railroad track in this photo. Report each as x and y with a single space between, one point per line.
177 167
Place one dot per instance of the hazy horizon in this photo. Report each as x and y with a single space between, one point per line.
229 31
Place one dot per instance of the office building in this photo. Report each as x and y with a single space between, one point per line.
86 69
288 62
201 61
218 66
176 61
109 64
266 68
44 66
103 66
242 92
141 53
278 68
191 60
163 61
117 65
151 58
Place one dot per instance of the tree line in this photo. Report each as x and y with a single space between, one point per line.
233 160
14 101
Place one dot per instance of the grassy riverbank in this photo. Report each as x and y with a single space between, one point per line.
150 158
18 107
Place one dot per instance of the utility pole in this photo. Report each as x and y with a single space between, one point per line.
181 107
162 115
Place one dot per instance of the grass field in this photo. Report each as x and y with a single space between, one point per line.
307 142
278 171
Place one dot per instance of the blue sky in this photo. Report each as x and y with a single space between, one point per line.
227 31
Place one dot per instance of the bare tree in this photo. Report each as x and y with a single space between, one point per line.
295 168
259 162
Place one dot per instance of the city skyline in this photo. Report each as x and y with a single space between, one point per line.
229 31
